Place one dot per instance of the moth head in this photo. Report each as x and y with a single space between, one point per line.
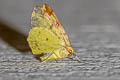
70 51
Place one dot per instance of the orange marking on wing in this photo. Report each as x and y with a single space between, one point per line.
51 12
68 52
38 7
48 9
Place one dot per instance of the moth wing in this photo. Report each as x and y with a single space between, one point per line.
56 23
38 19
43 41
47 34
45 17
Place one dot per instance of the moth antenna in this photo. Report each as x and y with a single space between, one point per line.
77 59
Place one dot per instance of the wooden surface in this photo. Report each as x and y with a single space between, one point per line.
93 27
99 51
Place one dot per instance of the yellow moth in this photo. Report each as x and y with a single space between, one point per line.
47 37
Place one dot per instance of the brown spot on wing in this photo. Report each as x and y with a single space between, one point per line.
46 39
39 7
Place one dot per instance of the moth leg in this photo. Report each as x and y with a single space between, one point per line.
56 60
47 58
76 58
56 56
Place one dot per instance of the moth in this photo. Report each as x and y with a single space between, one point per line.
47 37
